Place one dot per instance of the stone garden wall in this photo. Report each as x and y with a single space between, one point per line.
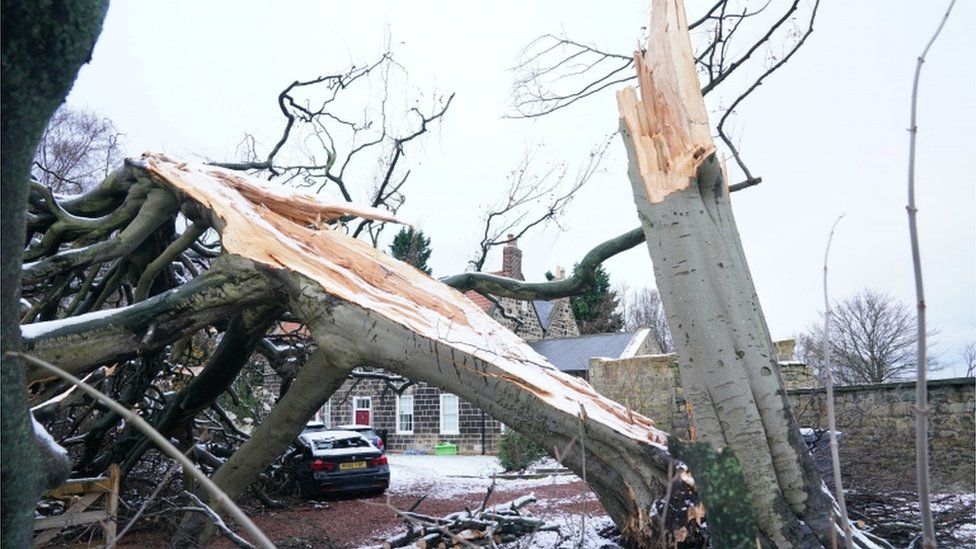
878 422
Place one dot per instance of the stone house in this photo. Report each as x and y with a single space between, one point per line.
420 416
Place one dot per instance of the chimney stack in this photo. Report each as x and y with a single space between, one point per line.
560 273
512 259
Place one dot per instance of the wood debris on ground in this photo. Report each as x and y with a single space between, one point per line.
482 526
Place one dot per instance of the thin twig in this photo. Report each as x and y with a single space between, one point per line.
142 508
921 387
219 522
217 495
582 435
831 415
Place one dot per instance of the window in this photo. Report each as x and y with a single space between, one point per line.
325 414
449 415
404 405
362 410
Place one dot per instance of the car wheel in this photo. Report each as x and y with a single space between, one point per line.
307 490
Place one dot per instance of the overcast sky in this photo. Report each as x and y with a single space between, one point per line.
827 133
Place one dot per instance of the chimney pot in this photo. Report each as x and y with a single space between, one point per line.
512 259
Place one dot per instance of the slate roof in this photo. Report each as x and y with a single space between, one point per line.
574 353
544 309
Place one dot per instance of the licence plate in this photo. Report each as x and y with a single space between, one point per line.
352 465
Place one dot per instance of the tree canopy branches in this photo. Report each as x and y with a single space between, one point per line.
873 340
337 129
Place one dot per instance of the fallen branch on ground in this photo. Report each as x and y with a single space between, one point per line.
497 524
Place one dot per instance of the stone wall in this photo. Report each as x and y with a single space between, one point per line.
644 383
528 327
563 323
878 421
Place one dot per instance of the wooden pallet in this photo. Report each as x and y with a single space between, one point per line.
85 493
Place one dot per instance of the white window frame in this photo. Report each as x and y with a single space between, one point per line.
355 408
325 414
399 427
457 414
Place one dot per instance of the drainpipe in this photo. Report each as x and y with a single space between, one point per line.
483 450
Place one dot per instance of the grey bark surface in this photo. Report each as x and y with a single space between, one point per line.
88 341
725 354
45 42
627 475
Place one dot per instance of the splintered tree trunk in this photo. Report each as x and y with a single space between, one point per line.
364 307
727 360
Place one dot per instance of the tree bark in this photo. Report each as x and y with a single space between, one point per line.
320 377
364 307
45 42
82 343
726 356
228 359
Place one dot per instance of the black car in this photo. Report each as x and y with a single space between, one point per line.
326 462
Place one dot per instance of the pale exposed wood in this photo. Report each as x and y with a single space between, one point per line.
92 490
112 505
73 519
669 123
346 268
72 487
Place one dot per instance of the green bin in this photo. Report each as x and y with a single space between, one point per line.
445 449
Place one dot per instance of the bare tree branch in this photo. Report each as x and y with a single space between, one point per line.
164 445
750 179
533 199
921 394
318 127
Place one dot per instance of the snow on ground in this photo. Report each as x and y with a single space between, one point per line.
452 476
449 476
568 536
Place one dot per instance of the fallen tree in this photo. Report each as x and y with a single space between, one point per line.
361 307
282 251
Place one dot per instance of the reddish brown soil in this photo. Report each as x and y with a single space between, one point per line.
358 522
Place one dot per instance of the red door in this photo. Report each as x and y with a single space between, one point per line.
362 417
362 411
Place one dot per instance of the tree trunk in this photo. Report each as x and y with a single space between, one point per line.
726 356
364 307
319 378
45 42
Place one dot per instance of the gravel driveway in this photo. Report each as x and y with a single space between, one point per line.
444 484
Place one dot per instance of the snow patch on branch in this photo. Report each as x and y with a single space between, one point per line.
45 439
40 329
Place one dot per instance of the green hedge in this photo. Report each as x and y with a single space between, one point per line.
515 451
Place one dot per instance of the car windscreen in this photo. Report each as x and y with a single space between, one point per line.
336 444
